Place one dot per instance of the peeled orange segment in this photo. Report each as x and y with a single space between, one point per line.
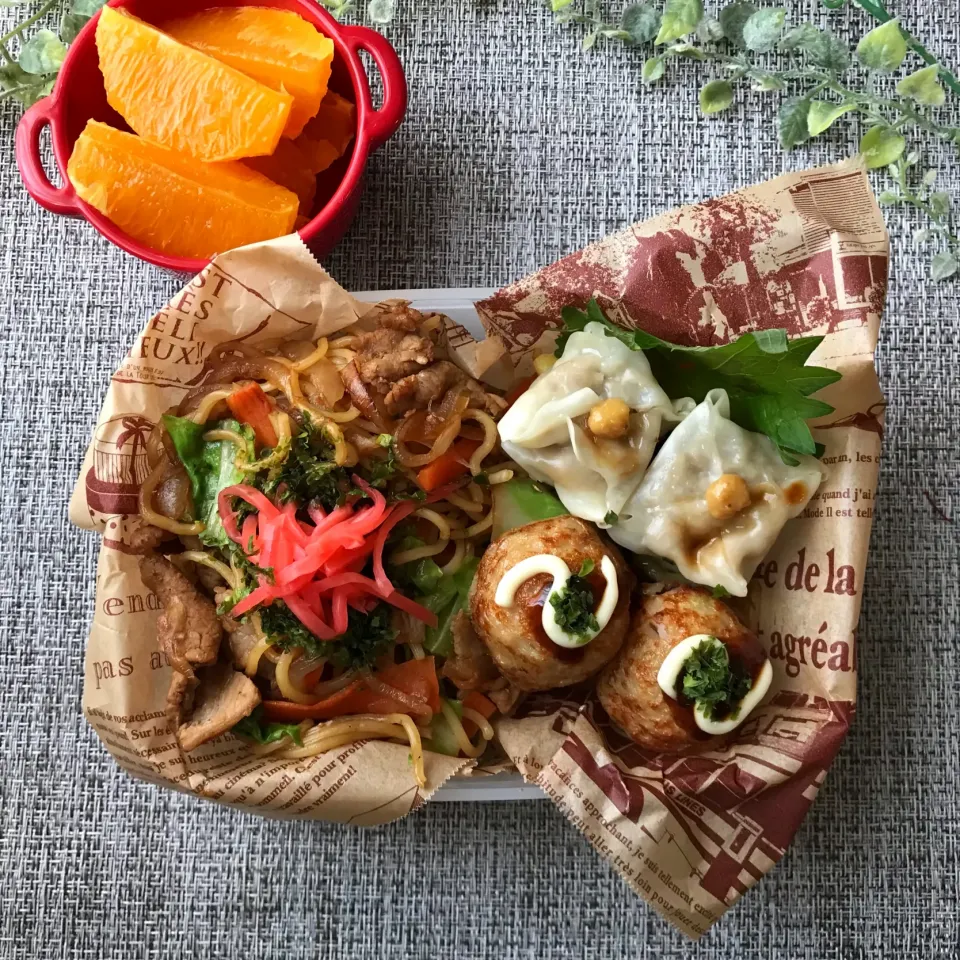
336 121
319 153
183 99
171 202
276 47
326 137
289 167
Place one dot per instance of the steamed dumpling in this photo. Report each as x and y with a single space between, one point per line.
715 498
547 430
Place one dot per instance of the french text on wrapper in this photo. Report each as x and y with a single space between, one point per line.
105 669
171 334
639 870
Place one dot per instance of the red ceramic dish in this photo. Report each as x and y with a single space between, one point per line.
79 96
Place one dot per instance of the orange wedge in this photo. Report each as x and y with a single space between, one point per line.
276 47
172 203
289 167
336 121
182 99
327 136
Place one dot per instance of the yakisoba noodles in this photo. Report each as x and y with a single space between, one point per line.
332 502
383 548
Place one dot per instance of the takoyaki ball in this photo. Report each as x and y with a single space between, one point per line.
517 634
630 687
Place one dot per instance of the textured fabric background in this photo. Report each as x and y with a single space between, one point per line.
517 149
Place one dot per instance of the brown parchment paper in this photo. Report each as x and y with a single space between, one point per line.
262 292
808 252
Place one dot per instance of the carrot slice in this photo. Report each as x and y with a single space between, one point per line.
474 700
336 705
252 406
448 466
418 678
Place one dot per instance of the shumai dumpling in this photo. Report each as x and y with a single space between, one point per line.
715 498
590 424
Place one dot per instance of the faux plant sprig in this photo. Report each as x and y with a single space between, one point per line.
755 45
31 74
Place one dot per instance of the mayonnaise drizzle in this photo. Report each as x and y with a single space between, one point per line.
554 567
672 667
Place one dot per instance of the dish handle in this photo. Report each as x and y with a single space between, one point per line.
62 200
381 124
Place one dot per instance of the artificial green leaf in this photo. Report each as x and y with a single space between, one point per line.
381 11
589 40
943 266
939 203
641 21
557 5
87 8
71 24
820 46
830 52
763 29
799 39
25 87
823 114
929 177
792 122
687 50
768 83
680 17
883 48
922 86
880 146
764 373
733 17
889 199
652 70
710 30
715 96
42 53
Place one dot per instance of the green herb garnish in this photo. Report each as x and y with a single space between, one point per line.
711 682
368 635
764 374
309 473
610 518
250 576
720 591
254 727
573 609
586 568
380 471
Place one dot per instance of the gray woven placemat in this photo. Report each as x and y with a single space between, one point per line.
517 149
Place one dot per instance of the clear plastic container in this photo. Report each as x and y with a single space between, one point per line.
458 305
